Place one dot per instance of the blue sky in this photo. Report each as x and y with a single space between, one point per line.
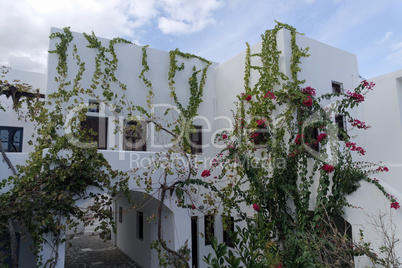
214 29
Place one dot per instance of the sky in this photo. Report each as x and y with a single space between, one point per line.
214 29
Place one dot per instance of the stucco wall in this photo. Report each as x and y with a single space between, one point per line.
10 118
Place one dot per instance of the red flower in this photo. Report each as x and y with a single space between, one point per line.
368 85
261 122
309 91
256 207
270 95
224 136
356 96
298 138
359 124
395 205
382 169
248 98
206 173
321 137
353 147
327 168
308 102
192 207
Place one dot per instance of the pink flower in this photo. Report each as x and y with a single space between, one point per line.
255 135
395 205
248 98
261 122
309 91
270 95
356 96
206 173
299 138
368 85
224 136
256 207
327 168
308 102
382 169
353 147
321 137
359 124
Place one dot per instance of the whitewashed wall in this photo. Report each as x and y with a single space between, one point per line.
10 117
381 110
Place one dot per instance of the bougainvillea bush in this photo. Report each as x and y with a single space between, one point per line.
284 141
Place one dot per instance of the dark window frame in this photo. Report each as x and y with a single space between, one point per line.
337 87
120 214
196 140
341 124
140 225
5 247
227 223
10 143
209 228
312 135
137 137
94 123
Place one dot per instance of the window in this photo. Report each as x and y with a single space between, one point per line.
196 140
209 231
228 228
11 138
99 126
337 87
120 214
341 124
311 138
93 106
135 138
5 251
140 225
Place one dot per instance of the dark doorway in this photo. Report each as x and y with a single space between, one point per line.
194 241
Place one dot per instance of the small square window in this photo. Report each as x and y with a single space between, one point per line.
209 229
93 106
228 228
341 124
140 225
196 140
135 138
11 138
337 87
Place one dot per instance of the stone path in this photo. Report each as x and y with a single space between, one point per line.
87 251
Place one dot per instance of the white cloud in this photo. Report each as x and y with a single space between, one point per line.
25 24
182 16
396 57
385 38
396 46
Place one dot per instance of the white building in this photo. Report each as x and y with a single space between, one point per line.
326 69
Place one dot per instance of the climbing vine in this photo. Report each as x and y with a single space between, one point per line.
274 151
59 173
270 158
